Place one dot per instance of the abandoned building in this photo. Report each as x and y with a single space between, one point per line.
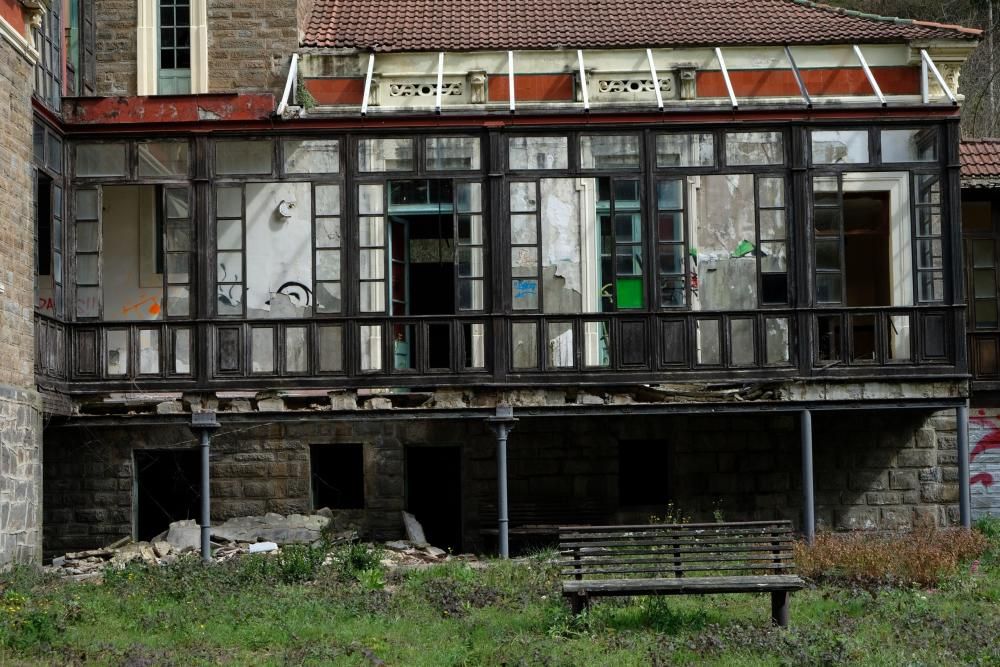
501 265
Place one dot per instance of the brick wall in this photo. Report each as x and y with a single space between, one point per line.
20 421
881 471
250 43
115 48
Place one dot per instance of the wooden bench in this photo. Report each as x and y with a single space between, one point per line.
660 559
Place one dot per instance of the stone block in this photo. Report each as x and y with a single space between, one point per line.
856 518
902 480
271 404
925 438
933 492
883 498
892 518
869 480
917 458
170 408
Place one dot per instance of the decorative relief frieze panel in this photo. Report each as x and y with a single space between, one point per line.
425 89
631 86
634 86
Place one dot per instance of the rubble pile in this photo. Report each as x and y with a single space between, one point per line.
243 535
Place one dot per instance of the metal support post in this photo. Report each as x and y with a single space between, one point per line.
204 423
501 425
964 494
808 496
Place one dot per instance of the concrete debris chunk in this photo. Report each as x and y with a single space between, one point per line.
184 534
414 531
262 547
162 548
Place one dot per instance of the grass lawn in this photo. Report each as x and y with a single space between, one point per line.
292 609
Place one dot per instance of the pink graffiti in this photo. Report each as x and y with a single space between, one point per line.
983 478
989 441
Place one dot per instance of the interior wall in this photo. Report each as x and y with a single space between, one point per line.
132 289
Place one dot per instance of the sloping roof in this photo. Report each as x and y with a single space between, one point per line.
472 25
980 162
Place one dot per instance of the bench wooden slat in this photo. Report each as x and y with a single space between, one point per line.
675 547
641 559
683 526
696 585
701 544
570 535
725 567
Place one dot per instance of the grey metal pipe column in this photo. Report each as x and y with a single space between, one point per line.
501 425
808 495
206 498
204 423
964 493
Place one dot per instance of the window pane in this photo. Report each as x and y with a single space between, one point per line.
331 353
262 350
447 153
596 344
178 233
749 148
929 255
772 224
117 352
230 299
88 301
296 350
149 351
909 145
86 236
986 314
371 347
928 221
229 202
776 341
179 301
328 265
524 344
525 294
538 153
385 155
243 157
166 158
328 299
230 267
524 261
327 200
523 229
86 269
773 258
372 264
707 336
370 199
229 234
772 192
474 338
182 351
840 146
741 342
828 288
312 156
523 197
982 254
723 243
609 152
685 150
560 352
470 229
670 226
100 160
328 233
86 205
178 267
670 195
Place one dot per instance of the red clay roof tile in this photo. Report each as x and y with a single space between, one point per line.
470 25
980 158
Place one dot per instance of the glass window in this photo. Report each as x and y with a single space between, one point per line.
163 159
685 150
840 146
243 157
385 155
754 148
909 145
609 152
538 153
723 242
100 160
174 52
311 156
452 153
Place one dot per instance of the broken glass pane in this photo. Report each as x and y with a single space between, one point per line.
117 340
149 351
900 348
560 352
474 344
403 348
182 351
840 146
596 344
776 344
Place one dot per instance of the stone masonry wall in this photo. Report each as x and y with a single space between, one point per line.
880 471
250 43
20 427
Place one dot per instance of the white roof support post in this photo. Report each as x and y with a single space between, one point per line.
927 63
510 80
871 77
583 81
725 76
656 79
440 86
368 84
293 72
798 78
925 93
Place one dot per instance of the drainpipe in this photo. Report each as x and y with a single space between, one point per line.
204 423
502 424
808 497
964 493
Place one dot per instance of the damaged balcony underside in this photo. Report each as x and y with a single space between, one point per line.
554 401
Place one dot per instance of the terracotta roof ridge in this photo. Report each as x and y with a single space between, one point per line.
982 140
888 19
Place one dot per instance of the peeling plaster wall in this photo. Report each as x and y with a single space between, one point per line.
132 289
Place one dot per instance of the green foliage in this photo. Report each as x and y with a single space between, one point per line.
672 515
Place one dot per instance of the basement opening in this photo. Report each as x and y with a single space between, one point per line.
338 476
434 493
167 489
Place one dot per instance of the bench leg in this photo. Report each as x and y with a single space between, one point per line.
578 603
779 608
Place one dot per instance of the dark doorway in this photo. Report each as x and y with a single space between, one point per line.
868 272
167 487
434 493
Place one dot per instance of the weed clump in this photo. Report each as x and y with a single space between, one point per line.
923 557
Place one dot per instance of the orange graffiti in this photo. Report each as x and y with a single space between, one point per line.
152 304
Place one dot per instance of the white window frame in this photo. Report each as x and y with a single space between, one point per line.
147 43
